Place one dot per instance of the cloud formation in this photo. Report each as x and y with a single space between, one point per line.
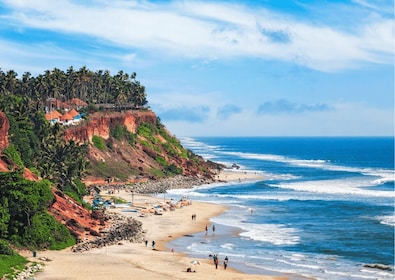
209 30
282 106
190 114
228 110
223 67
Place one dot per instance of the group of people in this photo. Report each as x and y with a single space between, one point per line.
153 244
213 228
216 261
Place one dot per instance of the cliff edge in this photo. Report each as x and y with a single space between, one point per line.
154 153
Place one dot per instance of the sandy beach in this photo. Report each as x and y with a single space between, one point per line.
232 175
128 260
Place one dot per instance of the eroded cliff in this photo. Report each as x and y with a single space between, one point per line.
100 124
151 156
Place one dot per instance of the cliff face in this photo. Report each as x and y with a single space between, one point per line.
80 221
100 124
4 127
5 166
120 162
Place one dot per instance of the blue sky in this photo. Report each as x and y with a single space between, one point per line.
224 68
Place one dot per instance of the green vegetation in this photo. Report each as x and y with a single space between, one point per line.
161 160
122 90
171 147
12 154
158 173
118 200
98 142
148 131
24 218
5 248
63 163
121 133
173 169
41 147
11 263
118 170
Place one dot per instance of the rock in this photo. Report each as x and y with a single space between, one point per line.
122 228
378 266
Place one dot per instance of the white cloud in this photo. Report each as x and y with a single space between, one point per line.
377 5
209 29
347 119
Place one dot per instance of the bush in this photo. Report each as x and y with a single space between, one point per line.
5 248
161 160
121 132
174 169
47 232
147 130
12 153
98 142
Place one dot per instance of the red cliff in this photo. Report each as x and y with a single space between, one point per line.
100 124
5 166
4 127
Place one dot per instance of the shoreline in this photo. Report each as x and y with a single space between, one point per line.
126 258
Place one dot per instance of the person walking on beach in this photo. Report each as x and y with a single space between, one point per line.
215 259
226 262
153 244
213 229
206 229
146 243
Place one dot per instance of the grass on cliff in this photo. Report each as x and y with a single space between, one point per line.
119 170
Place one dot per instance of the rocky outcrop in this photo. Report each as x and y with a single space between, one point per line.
122 228
378 266
162 185
100 124
82 223
4 127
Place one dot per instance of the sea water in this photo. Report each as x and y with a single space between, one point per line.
324 209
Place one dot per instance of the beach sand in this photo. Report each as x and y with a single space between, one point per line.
232 175
136 261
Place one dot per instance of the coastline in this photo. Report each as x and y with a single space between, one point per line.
124 259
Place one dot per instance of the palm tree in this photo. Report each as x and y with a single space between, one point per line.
11 82
27 85
140 96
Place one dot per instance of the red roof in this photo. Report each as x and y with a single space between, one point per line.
66 117
48 117
52 115
55 113
73 113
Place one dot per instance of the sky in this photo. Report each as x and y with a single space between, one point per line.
224 68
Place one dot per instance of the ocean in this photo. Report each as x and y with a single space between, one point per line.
324 209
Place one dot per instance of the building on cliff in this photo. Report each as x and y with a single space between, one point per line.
70 117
